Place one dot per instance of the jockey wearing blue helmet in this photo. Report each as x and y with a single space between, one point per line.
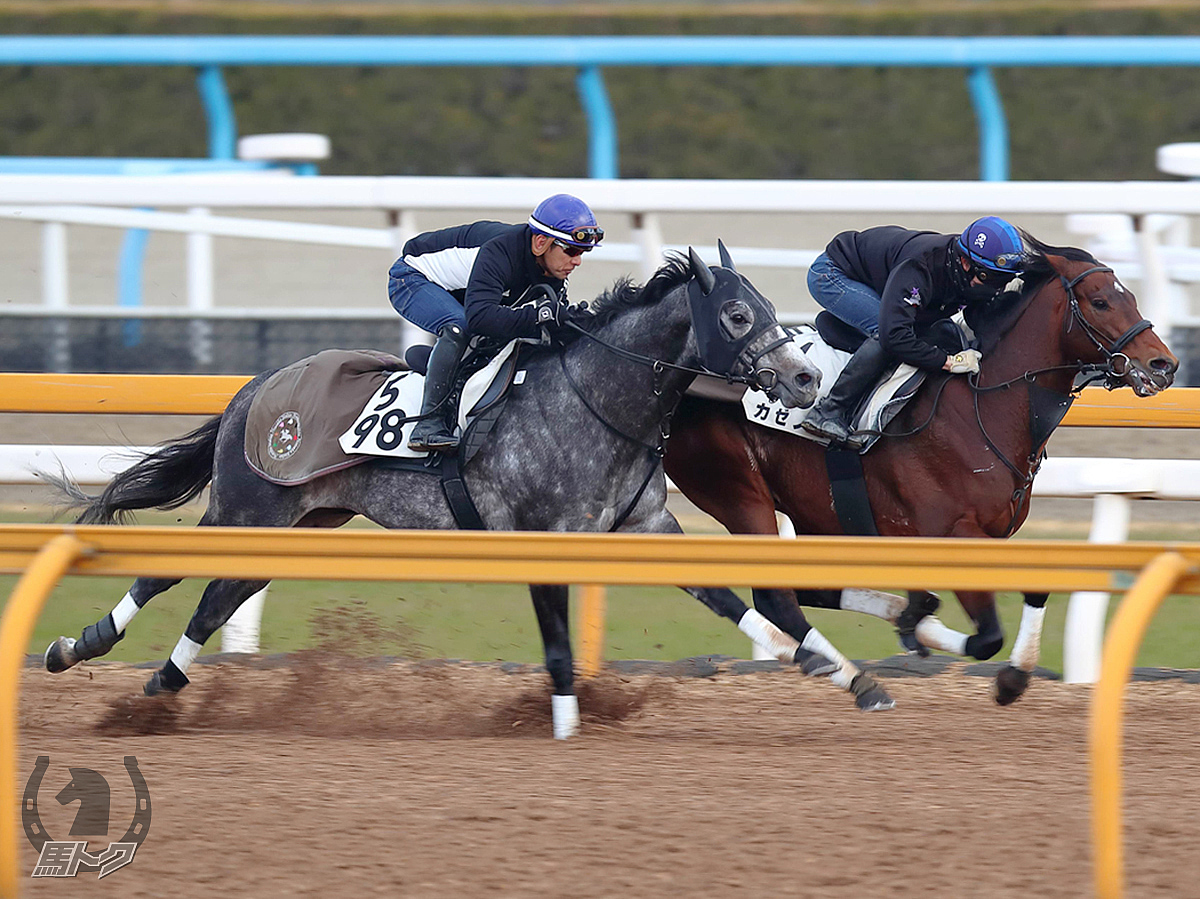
469 279
567 220
892 284
988 251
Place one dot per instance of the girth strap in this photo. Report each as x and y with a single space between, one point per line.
850 499
462 507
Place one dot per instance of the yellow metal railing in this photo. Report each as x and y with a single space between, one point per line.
16 629
1178 407
1160 578
524 557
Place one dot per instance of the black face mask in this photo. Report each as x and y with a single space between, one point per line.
718 349
961 279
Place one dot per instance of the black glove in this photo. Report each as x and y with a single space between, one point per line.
551 312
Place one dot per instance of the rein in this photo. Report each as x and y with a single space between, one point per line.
771 337
664 430
761 379
1107 371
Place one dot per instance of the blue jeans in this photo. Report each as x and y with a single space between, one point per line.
425 304
852 301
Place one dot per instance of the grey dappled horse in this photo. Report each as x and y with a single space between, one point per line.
578 449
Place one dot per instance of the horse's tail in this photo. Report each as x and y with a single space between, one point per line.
164 479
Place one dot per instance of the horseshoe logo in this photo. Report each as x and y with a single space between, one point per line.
36 832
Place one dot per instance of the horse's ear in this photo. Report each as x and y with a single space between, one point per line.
702 272
726 259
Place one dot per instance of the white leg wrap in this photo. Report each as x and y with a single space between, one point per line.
565 711
1028 645
932 633
185 653
887 606
124 612
815 641
768 636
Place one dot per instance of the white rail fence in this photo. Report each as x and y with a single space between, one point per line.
1139 227
1112 483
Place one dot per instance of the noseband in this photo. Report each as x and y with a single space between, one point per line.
763 379
1112 374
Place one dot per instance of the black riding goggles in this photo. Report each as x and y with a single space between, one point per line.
592 234
984 274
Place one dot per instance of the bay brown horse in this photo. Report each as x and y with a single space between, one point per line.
958 461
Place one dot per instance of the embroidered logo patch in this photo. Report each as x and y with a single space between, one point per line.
913 297
284 438
980 240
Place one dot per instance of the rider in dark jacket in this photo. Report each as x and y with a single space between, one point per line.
464 280
891 284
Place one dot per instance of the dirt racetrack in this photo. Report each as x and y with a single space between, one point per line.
336 777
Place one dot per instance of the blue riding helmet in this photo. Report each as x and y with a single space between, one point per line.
568 220
993 243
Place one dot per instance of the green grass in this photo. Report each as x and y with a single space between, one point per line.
489 621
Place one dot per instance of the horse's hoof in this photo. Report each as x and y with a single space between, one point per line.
1010 685
875 701
869 696
60 655
168 679
912 646
814 664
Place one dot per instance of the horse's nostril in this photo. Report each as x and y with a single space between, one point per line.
1165 365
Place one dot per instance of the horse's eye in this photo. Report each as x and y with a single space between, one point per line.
739 318
1099 303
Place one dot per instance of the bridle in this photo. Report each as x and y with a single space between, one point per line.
1106 371
1109 373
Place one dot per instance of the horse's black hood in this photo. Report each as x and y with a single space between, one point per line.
719 350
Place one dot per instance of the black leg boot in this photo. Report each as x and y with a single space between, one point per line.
831 417
435 434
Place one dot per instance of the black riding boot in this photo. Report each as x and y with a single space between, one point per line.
435 434
831 417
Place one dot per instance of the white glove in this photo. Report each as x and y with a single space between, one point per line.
964 362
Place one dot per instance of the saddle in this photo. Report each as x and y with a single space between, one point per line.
342 408
829 343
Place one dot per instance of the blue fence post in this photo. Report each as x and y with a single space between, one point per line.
602 126
993 128
222 127
129 281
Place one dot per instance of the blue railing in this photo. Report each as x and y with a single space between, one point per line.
589 54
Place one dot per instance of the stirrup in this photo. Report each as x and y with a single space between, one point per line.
829 428
434 443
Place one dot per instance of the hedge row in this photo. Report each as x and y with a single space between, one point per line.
673 123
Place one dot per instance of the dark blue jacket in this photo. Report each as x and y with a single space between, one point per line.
487 266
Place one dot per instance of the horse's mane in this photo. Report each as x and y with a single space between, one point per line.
990 321
626 294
